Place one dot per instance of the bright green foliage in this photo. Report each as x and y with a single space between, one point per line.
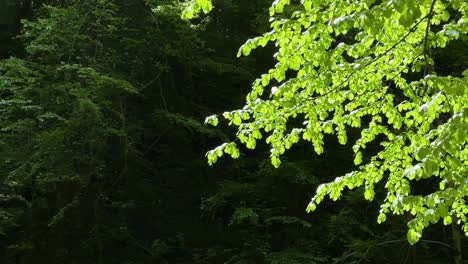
366 65
195 7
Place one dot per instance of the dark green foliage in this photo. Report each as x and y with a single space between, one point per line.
102 148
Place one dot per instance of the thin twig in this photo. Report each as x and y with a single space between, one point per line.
79 28
426 44
157 140
162 96
401 240
150 82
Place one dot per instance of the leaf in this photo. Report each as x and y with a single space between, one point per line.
421 153
358 158
413 236
447 220
381 218
212 120
452 33
236 120
275 161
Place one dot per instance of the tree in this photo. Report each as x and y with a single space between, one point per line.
368 66
100 136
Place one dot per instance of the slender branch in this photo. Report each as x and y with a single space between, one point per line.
436 242
427 69
411 30
125 143
150 82
426 37
79 28
157 140
162 95
402 240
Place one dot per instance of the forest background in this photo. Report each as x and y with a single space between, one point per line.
102 146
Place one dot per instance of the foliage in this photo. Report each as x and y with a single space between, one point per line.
66 132
102 142
366 65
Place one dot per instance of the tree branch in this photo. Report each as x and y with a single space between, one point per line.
426 41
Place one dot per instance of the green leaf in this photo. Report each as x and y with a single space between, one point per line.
413 236
381 218
212 120
447 220
358 158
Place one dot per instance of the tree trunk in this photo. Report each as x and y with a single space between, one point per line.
457 242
